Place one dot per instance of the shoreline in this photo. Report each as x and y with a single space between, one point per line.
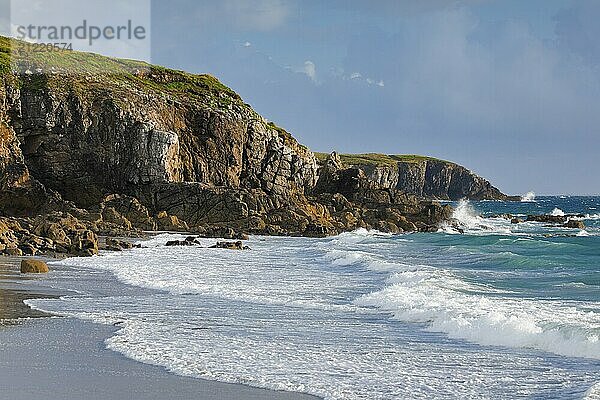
67 357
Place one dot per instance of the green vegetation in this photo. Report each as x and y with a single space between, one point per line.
79 70
4 55
377 159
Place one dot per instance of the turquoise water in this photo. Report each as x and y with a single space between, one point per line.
502 311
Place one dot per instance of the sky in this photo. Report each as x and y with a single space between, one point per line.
509 89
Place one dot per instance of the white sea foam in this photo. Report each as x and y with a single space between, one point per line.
529 197
468 220
450 305
557 212
306 315
593 393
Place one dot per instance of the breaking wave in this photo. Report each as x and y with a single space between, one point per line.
450 305
529 197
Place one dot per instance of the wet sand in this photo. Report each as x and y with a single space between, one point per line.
45 357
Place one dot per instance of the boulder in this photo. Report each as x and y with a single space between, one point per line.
110 215
516 221
34 267
117 245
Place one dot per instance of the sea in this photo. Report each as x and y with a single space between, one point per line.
501 311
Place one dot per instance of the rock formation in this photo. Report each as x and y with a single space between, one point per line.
422 176
93 145
34 267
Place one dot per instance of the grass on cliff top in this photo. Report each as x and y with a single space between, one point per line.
83 68
376 159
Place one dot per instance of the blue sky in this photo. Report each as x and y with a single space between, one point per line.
510 89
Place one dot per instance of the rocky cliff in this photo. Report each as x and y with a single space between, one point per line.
124 145
421 176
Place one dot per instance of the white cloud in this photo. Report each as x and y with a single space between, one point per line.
247 44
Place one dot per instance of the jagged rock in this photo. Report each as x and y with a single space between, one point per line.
84 243
230 246
131 209
517 221
28 249
552 219
574 224
110 215
420 176
34 267
316 230
113 244
13 251
196 158
168 222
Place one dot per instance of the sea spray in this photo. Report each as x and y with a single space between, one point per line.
466 219
529 197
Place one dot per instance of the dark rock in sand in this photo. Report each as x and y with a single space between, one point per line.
34 267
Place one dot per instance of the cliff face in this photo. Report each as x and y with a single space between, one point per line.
106 139
125 145
422 176
19 193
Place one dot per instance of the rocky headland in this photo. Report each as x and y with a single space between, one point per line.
91 145
425 177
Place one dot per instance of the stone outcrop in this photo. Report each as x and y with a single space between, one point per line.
421 176
107 140
354 200
54 233
132 147
572 221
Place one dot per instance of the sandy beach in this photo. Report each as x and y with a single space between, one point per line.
45 357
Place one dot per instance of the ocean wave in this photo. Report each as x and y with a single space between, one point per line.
225 274
469 221
299 301
448 304
593 393
529 197
557 212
